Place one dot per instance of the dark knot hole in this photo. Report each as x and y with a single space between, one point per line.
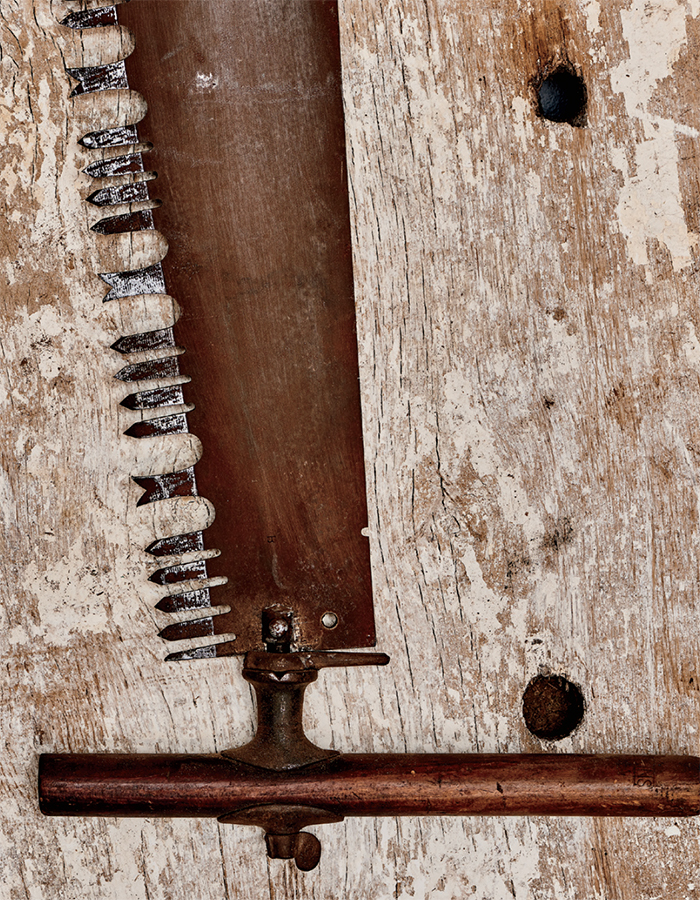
552 707
562 97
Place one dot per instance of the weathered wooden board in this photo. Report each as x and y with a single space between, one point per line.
528 318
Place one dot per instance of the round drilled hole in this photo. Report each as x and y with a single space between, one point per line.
329 620
562 97
552 707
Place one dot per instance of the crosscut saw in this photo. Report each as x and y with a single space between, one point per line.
245 129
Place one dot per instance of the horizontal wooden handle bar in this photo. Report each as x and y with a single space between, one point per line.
374 785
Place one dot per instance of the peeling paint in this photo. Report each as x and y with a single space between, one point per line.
592 8
650 204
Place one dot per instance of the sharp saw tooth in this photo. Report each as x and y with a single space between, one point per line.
168 396
182 572
115 165
189 600
199 653
195 628
136 221
91 18
139 281
122 135
99 78
175 424
124 193
215 624
171 484
145 340
225 648
176 545
150 370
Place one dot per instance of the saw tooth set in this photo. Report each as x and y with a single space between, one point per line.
260 263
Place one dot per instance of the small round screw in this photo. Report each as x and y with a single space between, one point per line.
278 628
329 620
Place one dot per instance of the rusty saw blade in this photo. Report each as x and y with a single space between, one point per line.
246 121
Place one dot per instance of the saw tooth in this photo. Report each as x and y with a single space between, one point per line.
111 76
158 397
214 624
115 165
150 370
181 572
139 281
175 424
92 18
135 192
122 135
195 628
145 340
176 603
199 653
176 545
136 221
209 651
170 484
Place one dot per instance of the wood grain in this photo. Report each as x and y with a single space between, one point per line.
527 309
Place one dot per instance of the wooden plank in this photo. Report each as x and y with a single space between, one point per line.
535 439
527 297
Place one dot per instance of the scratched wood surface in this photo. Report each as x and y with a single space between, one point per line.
528 321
